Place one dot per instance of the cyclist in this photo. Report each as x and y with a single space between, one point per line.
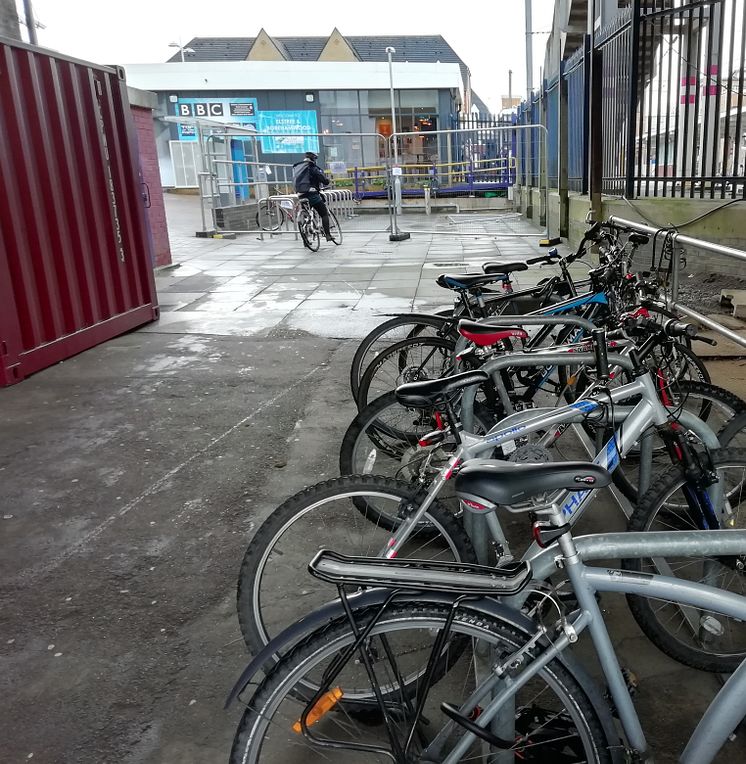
308 180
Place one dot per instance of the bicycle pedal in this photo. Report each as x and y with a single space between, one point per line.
630 679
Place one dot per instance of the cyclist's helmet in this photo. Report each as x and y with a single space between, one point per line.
310 155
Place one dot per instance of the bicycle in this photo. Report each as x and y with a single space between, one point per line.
395 516
311 228
427 357
474 299
427 666
272 213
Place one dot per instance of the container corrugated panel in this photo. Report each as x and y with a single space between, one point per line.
75 255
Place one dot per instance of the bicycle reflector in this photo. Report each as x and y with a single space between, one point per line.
322 707
432 438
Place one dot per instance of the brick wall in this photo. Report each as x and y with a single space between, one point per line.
143 119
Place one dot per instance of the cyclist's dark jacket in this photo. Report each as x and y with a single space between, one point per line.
308 178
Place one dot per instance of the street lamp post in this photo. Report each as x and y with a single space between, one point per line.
395 235
182 49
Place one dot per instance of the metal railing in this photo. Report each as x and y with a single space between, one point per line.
678 240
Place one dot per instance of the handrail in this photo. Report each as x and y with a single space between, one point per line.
682 239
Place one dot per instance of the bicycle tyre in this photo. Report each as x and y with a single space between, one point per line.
334 228
309 232
361 361
401 353
653 507
277 702
253 615
270 217
710 395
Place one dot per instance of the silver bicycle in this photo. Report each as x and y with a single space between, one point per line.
346 513
428 666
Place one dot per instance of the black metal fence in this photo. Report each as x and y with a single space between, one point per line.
575 74
671 97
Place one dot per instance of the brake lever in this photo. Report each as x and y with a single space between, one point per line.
708 340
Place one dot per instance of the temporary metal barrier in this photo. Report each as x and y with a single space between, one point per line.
474 175
682 240
76 265
230 186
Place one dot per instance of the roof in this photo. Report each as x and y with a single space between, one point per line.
294 75
423 48
412 48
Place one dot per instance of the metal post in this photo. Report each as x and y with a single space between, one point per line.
562 148
30 22
634 72
510 88
529 53
595 132
395 144
395 234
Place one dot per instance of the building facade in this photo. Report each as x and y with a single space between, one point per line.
336 90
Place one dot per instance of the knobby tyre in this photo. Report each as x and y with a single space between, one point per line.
700 639
718 408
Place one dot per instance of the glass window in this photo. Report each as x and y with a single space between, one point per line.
338 101
377 100
340 123
419 99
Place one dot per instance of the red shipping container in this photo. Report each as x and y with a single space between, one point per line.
75 254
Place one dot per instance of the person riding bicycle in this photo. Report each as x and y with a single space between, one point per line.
308 180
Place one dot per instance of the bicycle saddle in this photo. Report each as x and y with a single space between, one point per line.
485 335
424 394
466 280
487 482
497 266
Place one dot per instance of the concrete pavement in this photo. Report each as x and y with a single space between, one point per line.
134 475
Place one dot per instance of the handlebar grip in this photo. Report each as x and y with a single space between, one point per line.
674 328
598 337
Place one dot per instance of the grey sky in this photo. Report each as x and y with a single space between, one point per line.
487 34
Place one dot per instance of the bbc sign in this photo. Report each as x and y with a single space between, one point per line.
215 109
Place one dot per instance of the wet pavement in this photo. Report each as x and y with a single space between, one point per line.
135 473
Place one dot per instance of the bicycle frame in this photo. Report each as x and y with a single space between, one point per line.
495 694
729 705
649 411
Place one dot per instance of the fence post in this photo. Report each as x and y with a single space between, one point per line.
586 109
563 154
634 71
595 132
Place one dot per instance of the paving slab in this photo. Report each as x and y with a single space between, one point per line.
134 475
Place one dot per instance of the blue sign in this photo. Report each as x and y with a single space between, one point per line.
239 111
280 123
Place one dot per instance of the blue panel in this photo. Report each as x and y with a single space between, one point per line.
282 124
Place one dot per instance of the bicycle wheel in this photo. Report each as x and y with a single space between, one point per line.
308 229
551 718
270 216
389 332
412 360
383 440
329 516
715 406
696 638
335 229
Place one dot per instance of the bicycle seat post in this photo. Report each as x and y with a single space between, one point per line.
453 422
